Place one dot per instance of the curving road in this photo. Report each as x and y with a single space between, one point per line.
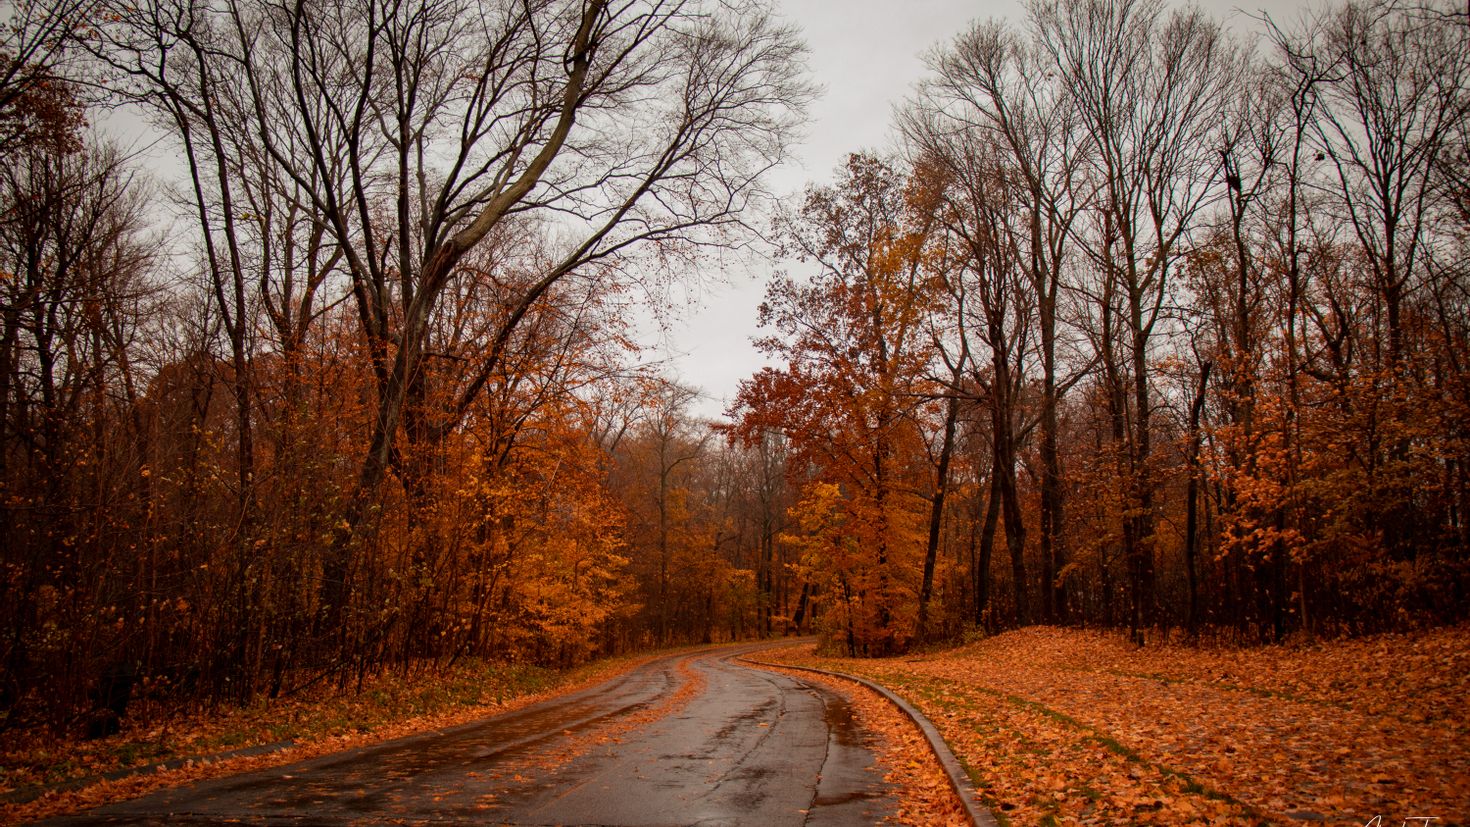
691 739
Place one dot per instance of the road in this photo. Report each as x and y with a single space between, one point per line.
693 739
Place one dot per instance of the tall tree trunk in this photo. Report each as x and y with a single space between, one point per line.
1140 536
1191 519
1053 540
984 618
936 512
1003 449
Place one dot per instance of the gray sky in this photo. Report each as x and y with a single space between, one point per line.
867 54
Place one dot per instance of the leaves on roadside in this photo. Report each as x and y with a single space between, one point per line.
1079 727
920 785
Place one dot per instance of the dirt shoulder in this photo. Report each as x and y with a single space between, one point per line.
1072 726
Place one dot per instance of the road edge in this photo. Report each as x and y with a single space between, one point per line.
959 779
312 749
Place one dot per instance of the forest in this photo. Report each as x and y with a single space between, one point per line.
1139 324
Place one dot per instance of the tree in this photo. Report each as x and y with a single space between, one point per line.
661 460
857 358
39 105
991 108
75 295
411 136
991 325
1147 87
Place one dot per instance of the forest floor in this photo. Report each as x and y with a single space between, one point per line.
1071 726
389 705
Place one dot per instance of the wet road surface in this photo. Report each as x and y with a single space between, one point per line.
693 739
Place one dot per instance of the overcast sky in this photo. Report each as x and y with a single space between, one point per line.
866 54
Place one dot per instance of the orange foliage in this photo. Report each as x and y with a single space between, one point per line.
854 342
1066 724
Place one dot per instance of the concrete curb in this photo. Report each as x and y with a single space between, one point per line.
958 778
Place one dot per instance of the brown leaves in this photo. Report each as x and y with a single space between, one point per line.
1079 727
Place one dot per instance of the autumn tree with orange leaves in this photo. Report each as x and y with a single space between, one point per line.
359 428
857 353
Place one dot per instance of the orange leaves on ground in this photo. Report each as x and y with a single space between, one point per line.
1079 727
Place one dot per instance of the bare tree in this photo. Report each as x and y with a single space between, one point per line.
991 92
992 323
1387 114
413 131
1148 87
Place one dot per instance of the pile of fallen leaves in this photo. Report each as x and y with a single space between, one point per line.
390 705
1063 725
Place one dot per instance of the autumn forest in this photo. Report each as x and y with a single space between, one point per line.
1139 323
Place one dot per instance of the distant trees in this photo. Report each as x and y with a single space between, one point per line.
704 521
1199 312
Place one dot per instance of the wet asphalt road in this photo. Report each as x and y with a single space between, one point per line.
694 739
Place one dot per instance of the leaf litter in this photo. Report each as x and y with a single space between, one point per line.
1079 727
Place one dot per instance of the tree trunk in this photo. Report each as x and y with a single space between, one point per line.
1191 519
983 616
936 513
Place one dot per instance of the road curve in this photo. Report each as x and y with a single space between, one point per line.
683 740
